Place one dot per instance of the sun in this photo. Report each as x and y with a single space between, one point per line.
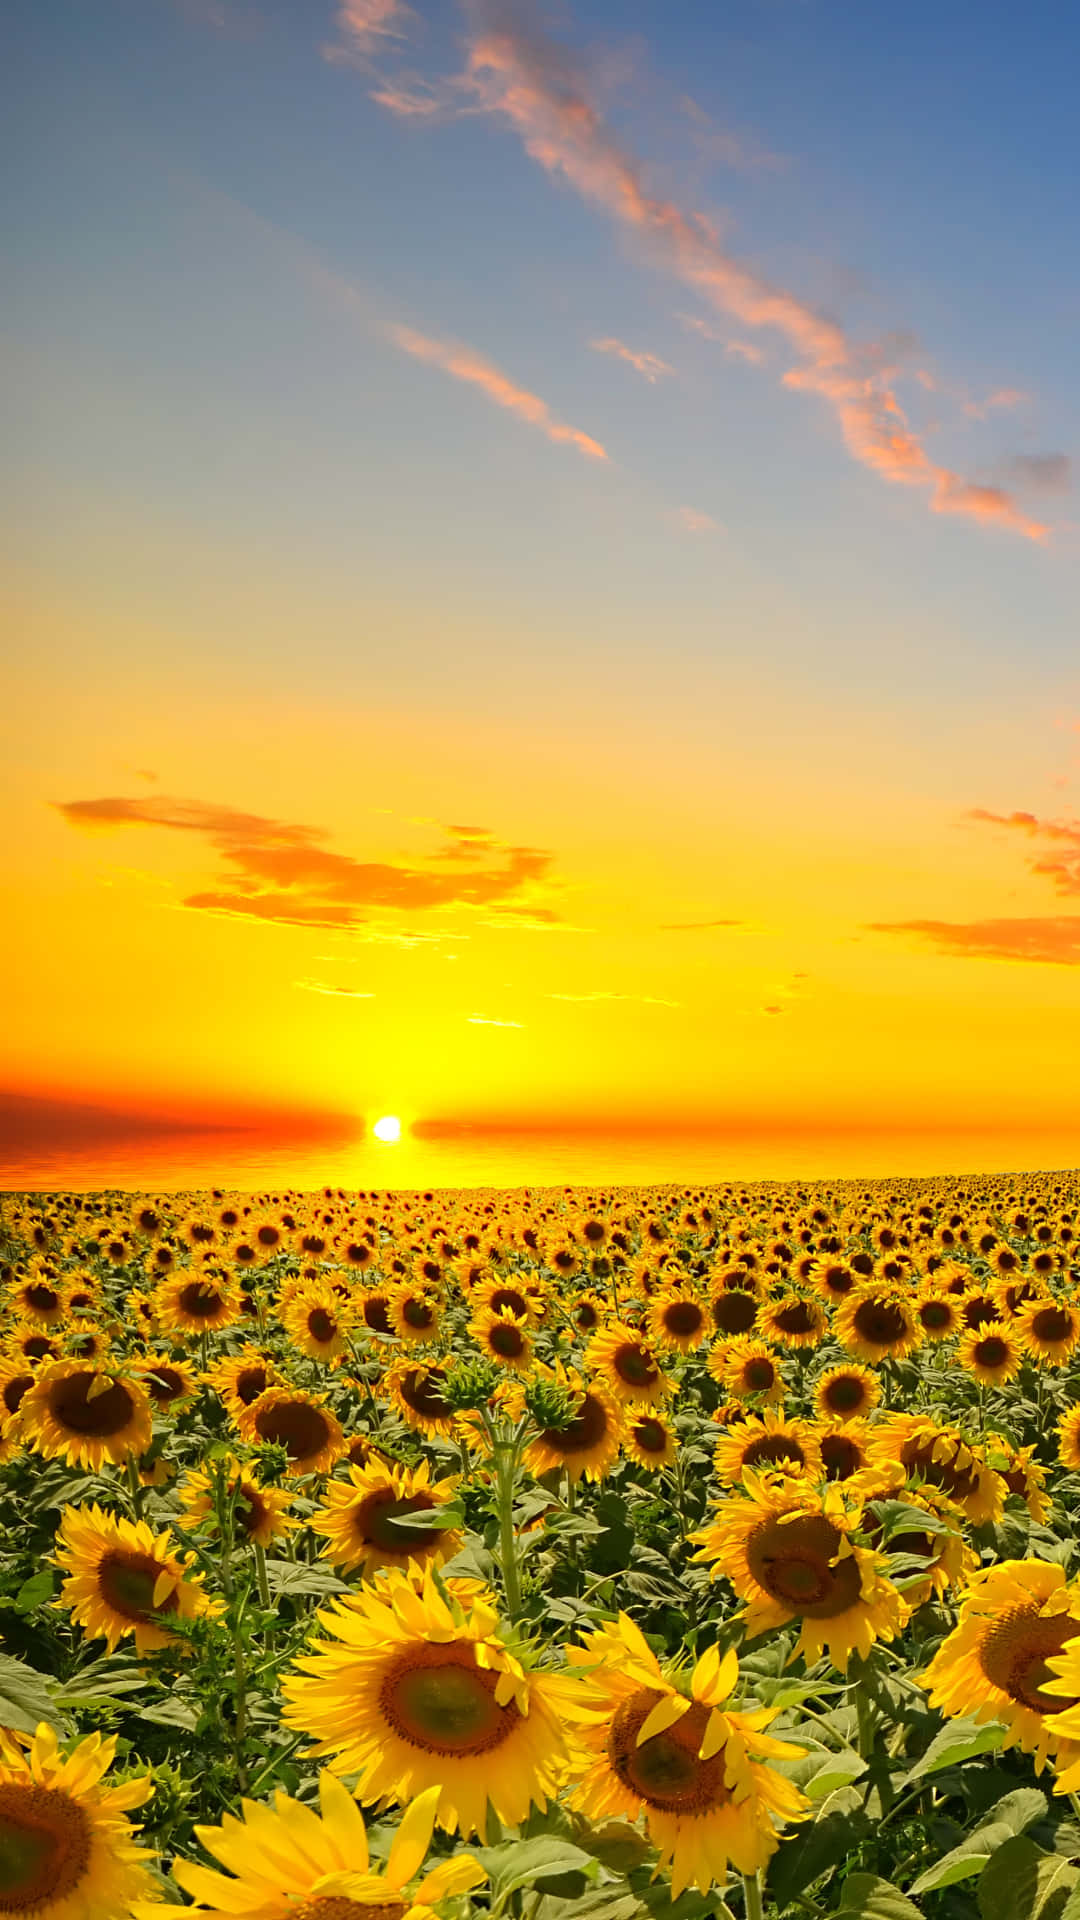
388 1128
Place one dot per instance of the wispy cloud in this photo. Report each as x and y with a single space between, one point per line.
277 871
323 986
478 1020
649 365
1045 938
463 364
1005 399
641 999
528 82
741 152
367 27
696 522
745 350
695 926
1062 863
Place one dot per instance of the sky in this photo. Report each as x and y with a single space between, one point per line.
540 552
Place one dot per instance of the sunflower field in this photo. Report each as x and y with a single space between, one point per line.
668 1552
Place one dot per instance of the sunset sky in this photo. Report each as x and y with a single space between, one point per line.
542 559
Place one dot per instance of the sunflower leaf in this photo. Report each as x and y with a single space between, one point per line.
27 1697
1004 1821
1022 1882
866 1897
958 1740
525 1863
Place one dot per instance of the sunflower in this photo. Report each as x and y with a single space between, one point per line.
504 1338
846 1393
833 1280
82 1340
940 1457
141 1310
1024 1476
733 1309
649 1439
67 1849
30 1343
16 1380
682 1756
121 1576
1014 1619
676 1318
1049 1330
317 1322
196 1300
588 1446
85 1416
950 1561
241 1378
358 1518
791 1319
39 1298
877 1323
937 1314
844 1446
991 1352
422 1692
413 1313
298 1421
587 1312
416 1391
786 1446
626 1365
1068 1439
747 1368
259 1514
497 1291
168 1382
290 1861
789 1552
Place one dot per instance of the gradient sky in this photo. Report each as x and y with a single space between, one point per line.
543 564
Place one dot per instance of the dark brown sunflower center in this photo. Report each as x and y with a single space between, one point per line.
42 1299
420 1391
1014 1654
992 1352
507 1341
199 1300
107 1413
682 1317
935 1314
126 1582
418 1313
840 1456
790 1559
918 1457
1051 1324
634 1364
734 1312
509 1297
665 1770
773 1448
586 1316
373 1517
164 1384
759 1374
586 1430
321 1325
437 1699
650 1435
881 1322
250 1382
296 1425
376 1314
845 1394
14 1389
37 1346
838 1280
797 1317
268 1236
44 1847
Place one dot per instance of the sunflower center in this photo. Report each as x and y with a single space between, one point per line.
1015 1652
43 1299
1051 1324
199 1301
665 1771
107 1413
650 1435
127 1581
992 1352
734 1312
321 1325
37 1346
935 1314
790 1559
14 1389
337 1906
840 1455
507 1341
682 1317
420 1391
44 1847
759 1375
586 1317
880 1321
775 1447
436 1698
250 1511
375 1313
250 1383
588 1427
373 1523
295 1425
918 1458
796 1318
844 1395
164 1384
634 1364
418 1313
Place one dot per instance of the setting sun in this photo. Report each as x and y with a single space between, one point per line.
388 1128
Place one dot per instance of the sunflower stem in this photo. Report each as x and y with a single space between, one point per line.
752 1895
260 1574
506 1457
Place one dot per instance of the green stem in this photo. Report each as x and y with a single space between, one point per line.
260 1574
752 1894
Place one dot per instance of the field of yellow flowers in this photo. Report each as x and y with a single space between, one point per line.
662 1552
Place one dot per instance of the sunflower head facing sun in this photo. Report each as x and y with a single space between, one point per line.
66 1844
85 1416
122 1578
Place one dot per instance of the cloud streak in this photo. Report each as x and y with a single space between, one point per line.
1060 863
530 84
462 363
641 999
278 871
1047 939
649 365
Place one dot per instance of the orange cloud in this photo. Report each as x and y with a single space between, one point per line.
695 521
280 873
530 83
648 364
366 26
694 926
1047 939
463 364
1063 866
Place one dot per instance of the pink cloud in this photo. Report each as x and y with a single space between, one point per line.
463 364
530 83
366 25
648 364
695 522
744 350
1062 865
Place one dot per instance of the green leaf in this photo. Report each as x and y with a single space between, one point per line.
1006 1819
294 1576
815 1846
1022 1882
820 1772
27 1697
34 1592
430 1520
865 1897
603 1903
958 1740
524 1863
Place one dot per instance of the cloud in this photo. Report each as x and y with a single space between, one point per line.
366 26
648 364
1005 398
278 871
696 522
529 83
322 986
478 1020
744 350
1062 865
695 926
737 151
1046 939
641 999
1042 472
463 364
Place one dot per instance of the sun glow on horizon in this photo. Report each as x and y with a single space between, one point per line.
388 1128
